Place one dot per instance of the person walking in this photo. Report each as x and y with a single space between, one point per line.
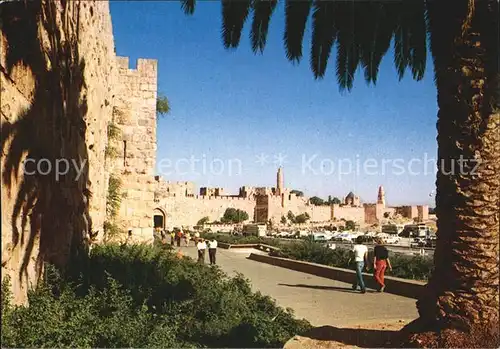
187 237
381 262
179 237
201 246
196 237
172 238
212 250
360 252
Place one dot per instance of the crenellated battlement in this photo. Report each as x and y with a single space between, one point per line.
144 66
223 198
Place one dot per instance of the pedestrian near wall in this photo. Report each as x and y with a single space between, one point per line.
201 246
360 252
172 238
212 250
179 237
381 262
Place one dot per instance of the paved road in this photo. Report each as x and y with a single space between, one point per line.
321 301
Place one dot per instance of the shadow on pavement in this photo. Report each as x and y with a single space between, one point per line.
332 288
363 338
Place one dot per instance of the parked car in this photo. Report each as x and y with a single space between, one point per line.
284 234
319 237
301 234
431 241
418 242
391 240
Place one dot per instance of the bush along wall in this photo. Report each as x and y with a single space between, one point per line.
404 266
144 296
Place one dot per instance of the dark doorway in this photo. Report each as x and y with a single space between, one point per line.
158 221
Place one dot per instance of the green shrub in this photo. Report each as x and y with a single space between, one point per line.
144 296
112 230
302 218
350 225
404 266
203 221
114 197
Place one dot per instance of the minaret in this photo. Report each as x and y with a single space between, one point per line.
381 196
279 182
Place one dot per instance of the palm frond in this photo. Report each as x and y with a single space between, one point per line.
418 39
323 37
263 10
376 34
401 42
188 6
296 14
344 18
234 15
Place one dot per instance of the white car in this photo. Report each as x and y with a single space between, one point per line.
348 237
336 235
284 234
392 240
319 237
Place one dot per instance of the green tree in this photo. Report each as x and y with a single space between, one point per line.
162 105
302 218
283 220
203 221
333 201
336 201
232 215
291 216
297 192
463 292
350 225
316 201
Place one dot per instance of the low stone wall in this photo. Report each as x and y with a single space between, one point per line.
401 287
262 247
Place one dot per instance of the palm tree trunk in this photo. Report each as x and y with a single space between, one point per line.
461 303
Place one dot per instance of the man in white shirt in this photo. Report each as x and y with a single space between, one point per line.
360 258
212 249
201 246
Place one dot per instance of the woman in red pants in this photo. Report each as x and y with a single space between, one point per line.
380 263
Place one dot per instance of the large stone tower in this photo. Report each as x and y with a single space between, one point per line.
381 196
279 182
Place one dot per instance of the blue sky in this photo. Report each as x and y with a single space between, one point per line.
236 112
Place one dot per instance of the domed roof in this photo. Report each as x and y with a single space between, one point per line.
350 195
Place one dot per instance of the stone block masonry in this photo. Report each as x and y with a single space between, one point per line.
89 33
134 114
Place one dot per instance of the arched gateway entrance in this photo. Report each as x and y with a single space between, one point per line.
159 218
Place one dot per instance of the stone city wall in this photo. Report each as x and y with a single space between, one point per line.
370 213
187 211
91 23
169 188
321 213
423 212
134 114
356 214
406 211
